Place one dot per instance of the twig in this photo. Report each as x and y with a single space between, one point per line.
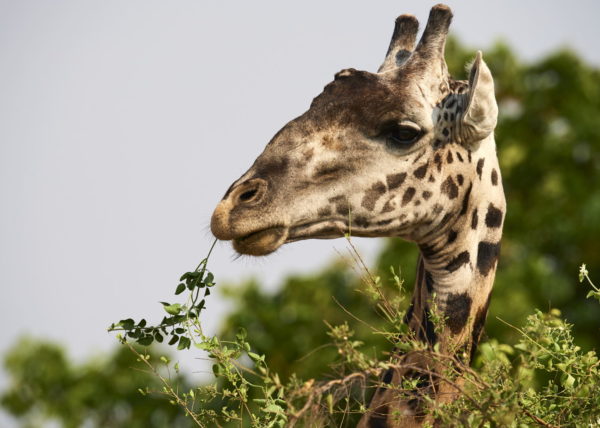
538 419
166 384
355 317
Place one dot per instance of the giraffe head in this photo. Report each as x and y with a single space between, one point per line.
392 153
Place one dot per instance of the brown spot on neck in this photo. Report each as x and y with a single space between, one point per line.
493 217
474 219
458 309
395 180
487 255
480 163
449 188
408 195
421 171
494 177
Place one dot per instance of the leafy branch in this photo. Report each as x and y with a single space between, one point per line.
174 325
246 392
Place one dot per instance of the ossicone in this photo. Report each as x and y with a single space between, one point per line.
402 43
427 58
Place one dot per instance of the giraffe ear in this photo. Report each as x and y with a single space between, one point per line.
481 112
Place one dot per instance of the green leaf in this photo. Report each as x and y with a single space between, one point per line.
204 346
521 346
273 408
593 293
330 403
180 288
184 343
146 340
173 309
127 324
241 334
569 382
158 337
133 334
256 357
173 340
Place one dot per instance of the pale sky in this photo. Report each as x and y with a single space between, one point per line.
122 123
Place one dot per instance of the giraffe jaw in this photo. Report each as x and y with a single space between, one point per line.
265 241
261 242
321 229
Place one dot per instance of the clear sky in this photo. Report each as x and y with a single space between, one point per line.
122 123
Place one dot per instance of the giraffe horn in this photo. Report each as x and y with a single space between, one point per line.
429 53
402 43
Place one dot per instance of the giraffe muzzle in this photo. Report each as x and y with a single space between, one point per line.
247 194
255 237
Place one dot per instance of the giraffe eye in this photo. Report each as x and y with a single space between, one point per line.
401 136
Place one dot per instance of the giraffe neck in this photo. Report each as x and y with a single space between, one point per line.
457 265
455 274
460 299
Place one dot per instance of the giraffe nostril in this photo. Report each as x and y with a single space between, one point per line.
248 195
249 192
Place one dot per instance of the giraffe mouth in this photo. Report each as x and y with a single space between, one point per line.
261 242
266 241
322 229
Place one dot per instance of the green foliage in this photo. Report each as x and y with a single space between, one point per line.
545 379
290 326
45 386
198 283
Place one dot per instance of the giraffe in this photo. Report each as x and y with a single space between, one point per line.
405 152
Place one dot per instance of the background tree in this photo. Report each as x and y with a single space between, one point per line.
103 392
